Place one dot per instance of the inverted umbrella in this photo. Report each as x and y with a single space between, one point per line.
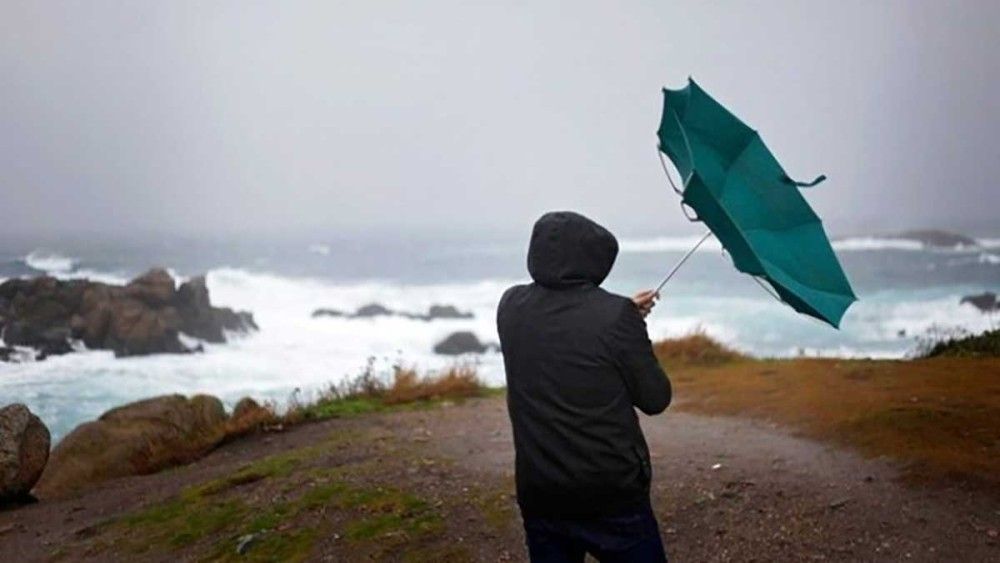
736 187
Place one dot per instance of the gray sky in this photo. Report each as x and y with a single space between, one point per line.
260 118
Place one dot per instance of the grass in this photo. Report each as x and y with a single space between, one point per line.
941 416
695 348
405 388
964 345
209 517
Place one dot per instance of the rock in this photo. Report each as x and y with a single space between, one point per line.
154 288
986 302
936 238
446 312
201 320
146 316
378 310
8 354
134 439
245 407
135 329
328 313
372 310
462 342
24 450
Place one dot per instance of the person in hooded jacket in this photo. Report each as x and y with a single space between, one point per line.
579 362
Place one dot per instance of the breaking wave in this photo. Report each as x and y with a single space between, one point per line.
50 262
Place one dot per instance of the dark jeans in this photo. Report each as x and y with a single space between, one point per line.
633 537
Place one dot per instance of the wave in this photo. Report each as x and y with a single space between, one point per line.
986 258
50 262
876 243
293 350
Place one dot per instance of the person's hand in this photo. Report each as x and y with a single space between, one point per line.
644 301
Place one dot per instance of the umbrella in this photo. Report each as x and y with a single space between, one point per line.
735 186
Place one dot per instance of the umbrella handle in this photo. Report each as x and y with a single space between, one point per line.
682 261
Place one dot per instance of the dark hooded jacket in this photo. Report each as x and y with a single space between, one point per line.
578 362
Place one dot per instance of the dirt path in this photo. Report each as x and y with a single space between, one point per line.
437 484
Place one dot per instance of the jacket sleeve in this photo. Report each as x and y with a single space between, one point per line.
645 380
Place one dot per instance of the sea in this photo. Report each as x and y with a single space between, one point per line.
906 290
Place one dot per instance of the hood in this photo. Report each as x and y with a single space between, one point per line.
569 249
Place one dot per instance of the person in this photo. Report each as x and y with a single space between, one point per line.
578 362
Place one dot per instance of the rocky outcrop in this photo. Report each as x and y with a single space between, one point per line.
328 313
462 342
936 238
372 310
986 302
24 450
145 316
134 439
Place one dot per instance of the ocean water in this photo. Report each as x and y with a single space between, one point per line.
904 289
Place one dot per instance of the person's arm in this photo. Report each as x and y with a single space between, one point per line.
645 380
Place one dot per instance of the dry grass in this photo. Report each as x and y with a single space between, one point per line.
694 348
402 387
457 382
940 416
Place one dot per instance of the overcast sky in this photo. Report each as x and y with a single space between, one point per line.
338 117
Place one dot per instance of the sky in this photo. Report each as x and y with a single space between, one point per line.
463 117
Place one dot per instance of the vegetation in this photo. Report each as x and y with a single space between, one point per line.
961 344
404 388
695 348
941 416
279 502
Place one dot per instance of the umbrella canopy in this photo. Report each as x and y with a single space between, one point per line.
737 188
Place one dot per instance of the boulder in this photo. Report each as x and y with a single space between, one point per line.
248 416
245 407
134 439
462 342
24 450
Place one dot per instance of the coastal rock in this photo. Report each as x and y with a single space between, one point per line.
936 238
378 310
328 313
372 310
24 450
462 342
134 439
146 316
986 302
7 354
201 320
154 288
446 312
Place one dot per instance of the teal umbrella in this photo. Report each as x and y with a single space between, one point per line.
736 187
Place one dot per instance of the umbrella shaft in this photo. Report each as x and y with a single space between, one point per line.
682 261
